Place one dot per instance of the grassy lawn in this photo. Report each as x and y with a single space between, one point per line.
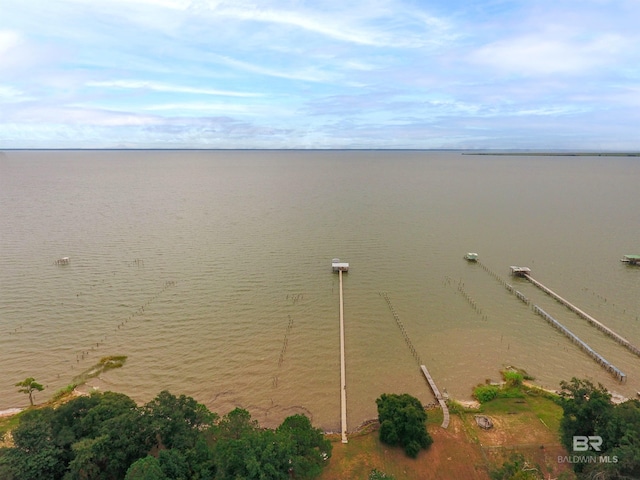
527 425
452 455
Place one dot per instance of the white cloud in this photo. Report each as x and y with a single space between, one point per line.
310 74
542 54
163 87
377 24
8 40
218 108
9 94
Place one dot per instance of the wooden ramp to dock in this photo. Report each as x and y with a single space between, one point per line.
603 328
436 392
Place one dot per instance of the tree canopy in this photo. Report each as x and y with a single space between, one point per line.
588 411
403 423
29 385
106 436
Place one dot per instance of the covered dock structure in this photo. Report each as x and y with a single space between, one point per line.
339 266
631 259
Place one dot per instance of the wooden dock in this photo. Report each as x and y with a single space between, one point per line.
587 349
436 392
343 386
603 328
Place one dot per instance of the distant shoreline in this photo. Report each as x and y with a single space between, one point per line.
515 153
557 154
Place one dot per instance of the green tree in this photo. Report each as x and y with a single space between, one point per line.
29 385
587 410
35 454
309 449
238 445
177 422
403 422
174 465
147 468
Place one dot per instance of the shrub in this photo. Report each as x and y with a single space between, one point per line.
378 475
485 393
513 379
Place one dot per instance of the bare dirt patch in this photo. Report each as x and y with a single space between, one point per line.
452 455
464 450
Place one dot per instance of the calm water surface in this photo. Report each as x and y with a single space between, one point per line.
229 254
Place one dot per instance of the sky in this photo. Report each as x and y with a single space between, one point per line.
432 74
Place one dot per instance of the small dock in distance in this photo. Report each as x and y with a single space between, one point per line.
62 261
519 271
339 266
631 259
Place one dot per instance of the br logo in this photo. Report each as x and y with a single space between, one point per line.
582 443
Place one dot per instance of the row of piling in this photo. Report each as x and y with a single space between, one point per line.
401 327
285 342
82 354
432 384
472 303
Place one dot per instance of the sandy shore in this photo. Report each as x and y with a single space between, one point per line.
10 411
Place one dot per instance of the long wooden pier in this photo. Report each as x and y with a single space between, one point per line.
343 386
587 349
436 392
603 328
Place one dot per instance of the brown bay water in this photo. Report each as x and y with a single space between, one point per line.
211 271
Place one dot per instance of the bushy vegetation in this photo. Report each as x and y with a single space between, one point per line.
106 436
512 387
403 423
588 411
378 475
516 468
485 393
513 379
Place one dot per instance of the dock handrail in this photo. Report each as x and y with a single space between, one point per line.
603 328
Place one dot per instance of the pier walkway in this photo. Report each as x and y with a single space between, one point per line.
575 339
603 328
343 386
557 325
436 392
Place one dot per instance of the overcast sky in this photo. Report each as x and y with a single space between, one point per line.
541 74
